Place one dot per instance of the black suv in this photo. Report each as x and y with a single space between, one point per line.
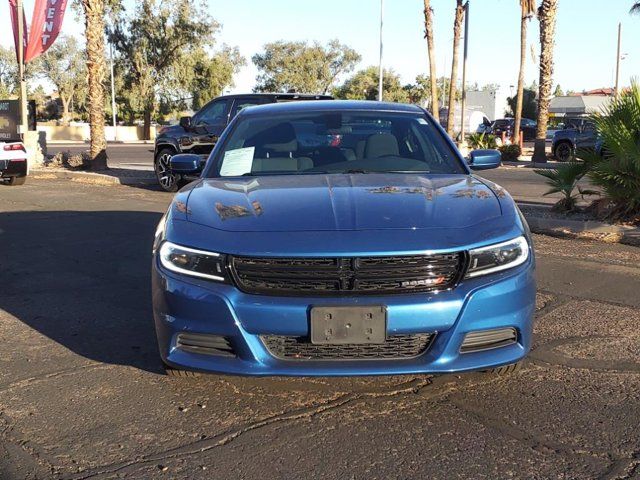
198 134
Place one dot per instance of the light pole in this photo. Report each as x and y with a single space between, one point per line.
380 72
23 86
616 91
113 95
464 71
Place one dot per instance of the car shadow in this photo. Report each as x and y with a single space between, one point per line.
82 278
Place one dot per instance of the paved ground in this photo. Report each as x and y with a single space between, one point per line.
82 394
522 182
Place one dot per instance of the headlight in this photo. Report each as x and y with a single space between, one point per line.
195 263
500 256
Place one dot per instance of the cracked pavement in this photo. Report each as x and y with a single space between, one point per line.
83 396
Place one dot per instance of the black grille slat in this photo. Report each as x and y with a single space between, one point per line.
346 275
396 347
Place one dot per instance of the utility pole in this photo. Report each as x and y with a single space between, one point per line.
616 91
24 124
113 95
381 72
464 71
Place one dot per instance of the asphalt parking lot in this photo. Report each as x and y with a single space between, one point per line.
83 394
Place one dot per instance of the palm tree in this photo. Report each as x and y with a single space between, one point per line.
528 9
94 12
547 15
457 28
428 34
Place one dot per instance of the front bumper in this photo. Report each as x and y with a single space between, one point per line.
182 304
13 168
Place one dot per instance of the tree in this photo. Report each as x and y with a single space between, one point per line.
635 8
300 67
8 72
558 91
527 10
529 107
457 27
154 42
547 16
212 74
363 85
428 34
94 13
64 65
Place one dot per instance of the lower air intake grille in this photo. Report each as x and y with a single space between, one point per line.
205 344
488 339
395 347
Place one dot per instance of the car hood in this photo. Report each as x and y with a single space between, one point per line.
282 203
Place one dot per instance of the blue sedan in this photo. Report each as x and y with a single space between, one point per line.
341 238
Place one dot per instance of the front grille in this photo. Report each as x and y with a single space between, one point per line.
347 275
395 347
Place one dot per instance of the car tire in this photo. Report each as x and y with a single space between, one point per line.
13 181
176 372
505 369
563 152
167 180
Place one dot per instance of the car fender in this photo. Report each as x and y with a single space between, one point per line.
166 142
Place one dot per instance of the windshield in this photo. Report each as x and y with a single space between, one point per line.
335 142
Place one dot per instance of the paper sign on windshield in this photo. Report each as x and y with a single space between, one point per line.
237 162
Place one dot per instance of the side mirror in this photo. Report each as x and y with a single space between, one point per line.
484 159
185 122
186 163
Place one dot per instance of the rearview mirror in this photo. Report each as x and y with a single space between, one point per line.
186 163
185 122
484 159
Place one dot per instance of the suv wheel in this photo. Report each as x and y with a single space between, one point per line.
162 165
17 180
563 151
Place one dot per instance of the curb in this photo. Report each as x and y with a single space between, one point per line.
525 164
587 229
90 177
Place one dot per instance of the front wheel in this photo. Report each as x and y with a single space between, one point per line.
563 151
17 180
167 180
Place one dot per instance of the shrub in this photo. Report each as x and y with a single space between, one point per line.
617 170
510 152
564 180
66 159
482 141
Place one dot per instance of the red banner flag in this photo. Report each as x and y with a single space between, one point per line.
13 10
45 26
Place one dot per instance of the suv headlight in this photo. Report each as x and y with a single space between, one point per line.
192 262
500 256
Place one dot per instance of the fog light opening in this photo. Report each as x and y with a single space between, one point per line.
488 339
205 344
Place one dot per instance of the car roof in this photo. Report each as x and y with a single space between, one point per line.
330 105
283 96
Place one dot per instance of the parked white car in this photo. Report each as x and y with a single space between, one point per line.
13 163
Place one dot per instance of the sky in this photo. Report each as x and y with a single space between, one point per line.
585 50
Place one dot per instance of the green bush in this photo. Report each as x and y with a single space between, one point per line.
510 152
482 141
564 180
617 170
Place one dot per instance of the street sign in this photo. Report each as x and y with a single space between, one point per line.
10 119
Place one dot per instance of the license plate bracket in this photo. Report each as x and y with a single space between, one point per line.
348 325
